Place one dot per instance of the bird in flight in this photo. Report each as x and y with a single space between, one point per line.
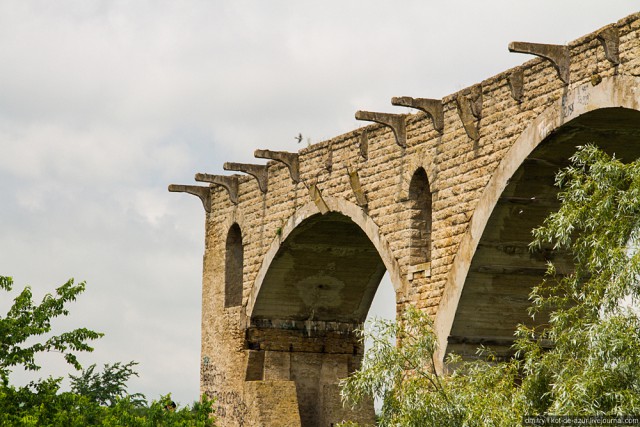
299 138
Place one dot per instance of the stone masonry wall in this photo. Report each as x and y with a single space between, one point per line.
458 169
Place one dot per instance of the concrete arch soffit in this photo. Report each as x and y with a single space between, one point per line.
617 91
357 215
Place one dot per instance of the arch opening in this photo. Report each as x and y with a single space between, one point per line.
503 270
420 218
234 266
326 270
316 293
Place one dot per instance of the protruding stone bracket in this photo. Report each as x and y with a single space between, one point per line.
259 172
364 145
433 108
289 159
611 43
316 197
516 83
354 180
203 193
397 123
475 97
229 183
469 104
328 160
559 55
415 269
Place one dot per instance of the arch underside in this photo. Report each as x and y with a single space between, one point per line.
327 270
503 269
315 293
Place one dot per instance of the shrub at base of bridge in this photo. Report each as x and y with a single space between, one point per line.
95 398
593 366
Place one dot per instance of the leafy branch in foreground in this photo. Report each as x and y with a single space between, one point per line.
593 367
108 386
412 394
26 320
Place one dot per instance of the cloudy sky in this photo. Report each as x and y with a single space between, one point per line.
105 103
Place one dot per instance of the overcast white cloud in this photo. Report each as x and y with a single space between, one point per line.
104 103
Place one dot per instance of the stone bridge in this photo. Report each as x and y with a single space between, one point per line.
443 199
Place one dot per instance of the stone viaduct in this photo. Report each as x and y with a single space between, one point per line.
443 199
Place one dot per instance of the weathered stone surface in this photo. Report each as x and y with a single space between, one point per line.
397 123
289 159
203 193
611 43
314 252
558 55
433 107
271 403
229 183
259 172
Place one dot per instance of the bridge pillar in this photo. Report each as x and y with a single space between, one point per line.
313 357
266 371
222 371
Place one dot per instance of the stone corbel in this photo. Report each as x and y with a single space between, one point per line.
516 83
469 103
611 43
397 123
259 172
328 160
316 197
289 159
229 183
364 145
203 193
354 180
433 108
559 56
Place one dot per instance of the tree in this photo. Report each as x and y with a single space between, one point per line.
593 365
108 386
96 398
25 321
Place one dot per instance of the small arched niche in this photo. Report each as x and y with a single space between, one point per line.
234 264
420 219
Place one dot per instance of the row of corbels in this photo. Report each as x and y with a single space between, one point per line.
261 174
231 183
469 103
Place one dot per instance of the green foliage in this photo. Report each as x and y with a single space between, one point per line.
413 394
25 321
42 404
593 365
107 387
96 398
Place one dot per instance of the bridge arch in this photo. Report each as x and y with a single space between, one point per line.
615 99
354 214
313 291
